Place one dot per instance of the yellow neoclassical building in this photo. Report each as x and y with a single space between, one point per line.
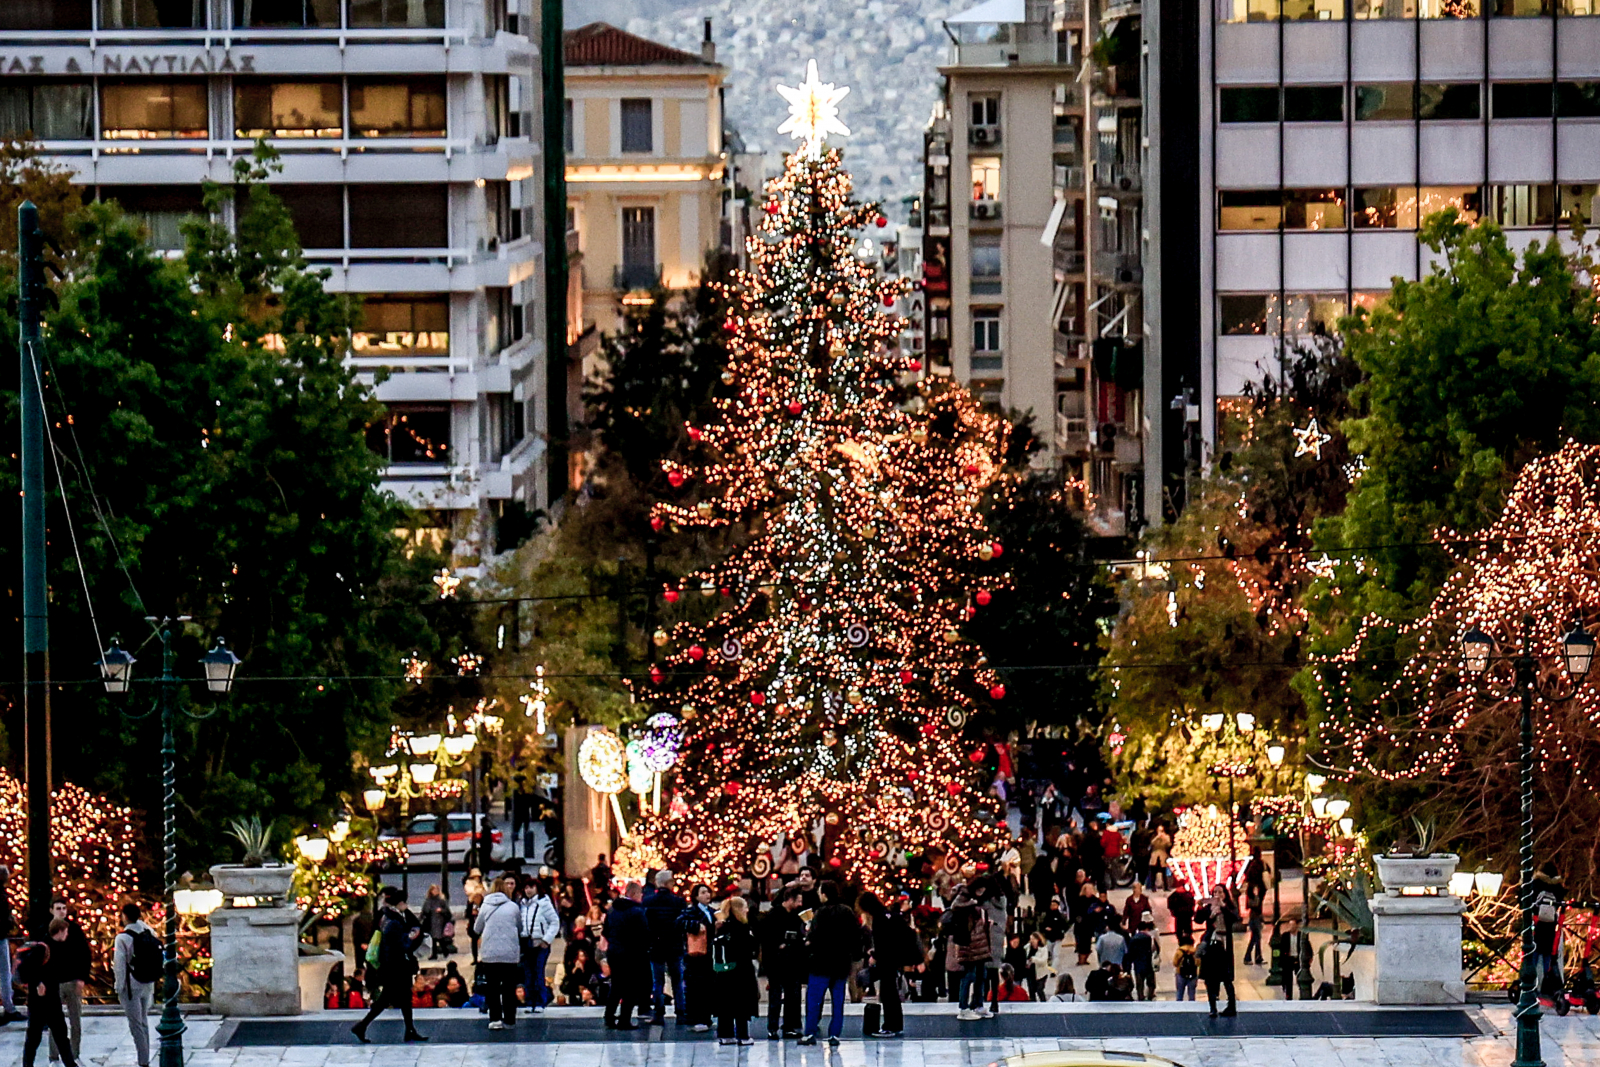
645 164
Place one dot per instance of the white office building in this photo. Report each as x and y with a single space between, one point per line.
409 136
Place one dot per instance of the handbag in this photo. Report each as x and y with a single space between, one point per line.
450 929
696 942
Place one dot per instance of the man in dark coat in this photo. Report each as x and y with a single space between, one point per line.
1180 902
662 907
833 943
399 934
37 973
894 948
783 960
627 935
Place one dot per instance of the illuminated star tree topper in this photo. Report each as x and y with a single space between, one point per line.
813 111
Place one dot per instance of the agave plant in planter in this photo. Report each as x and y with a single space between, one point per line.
1416 866
255 877
1349 904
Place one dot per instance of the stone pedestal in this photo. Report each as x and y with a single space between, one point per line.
1417 955
255 961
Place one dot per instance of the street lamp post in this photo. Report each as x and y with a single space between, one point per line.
1577 648
116 673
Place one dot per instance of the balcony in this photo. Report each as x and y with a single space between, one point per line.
985 210
1069 348
1118 178
634 276
1069 179
1118 268
1068 260
1026 44
1072 432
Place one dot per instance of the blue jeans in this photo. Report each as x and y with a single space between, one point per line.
534 962
971 978
817 987
659 972
1186 987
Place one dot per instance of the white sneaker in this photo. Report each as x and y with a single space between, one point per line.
497 1025
701 1028
967 1016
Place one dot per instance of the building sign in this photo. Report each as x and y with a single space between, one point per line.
85 61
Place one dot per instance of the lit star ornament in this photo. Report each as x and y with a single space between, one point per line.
1309 441
813 111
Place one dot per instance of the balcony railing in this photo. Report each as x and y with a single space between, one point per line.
632 276
1072 432
1018 44
1069 179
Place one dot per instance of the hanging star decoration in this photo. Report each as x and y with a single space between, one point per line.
1309 441
813 111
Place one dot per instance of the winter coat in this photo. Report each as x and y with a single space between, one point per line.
1216 956
834 941
970 928
783 944
661 910
435 913
1053 925
994 909
627 936
397 939
735 992
894 946
497 927
537 920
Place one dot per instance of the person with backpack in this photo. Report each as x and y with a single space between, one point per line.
733 971
1185 968
1549 895
1142 959
783 959
391 959
42 980
137 964
500 952
833 943
696 921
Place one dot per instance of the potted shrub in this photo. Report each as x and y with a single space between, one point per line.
1407 866
255 876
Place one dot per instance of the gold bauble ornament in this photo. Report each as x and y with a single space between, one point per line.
659 637
706 509
687 711
836 299
727 377
919 436
838 351
853 696
869 531
985 553
708 589
951 637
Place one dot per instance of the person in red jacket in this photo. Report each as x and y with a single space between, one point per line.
1009 989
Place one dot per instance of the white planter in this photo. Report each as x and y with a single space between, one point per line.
1413 872
314 970
1363 964
260 882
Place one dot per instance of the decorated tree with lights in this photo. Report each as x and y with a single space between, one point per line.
826 692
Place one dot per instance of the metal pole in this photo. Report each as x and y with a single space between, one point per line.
35 618
170 1028
552 56
444 852
1528 1052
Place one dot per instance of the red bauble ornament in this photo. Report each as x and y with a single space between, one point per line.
758 698
998 549
952 788
882 222
906 677
976 755
805 603
916 364
888 300
973 468
725 591
835 861
675 479
657 523
982 866
970 614
998 692
772 207
730 326
656 675
928 728
794 407
983 598
670 596
695 433
731 788
876 853
696 653
912 775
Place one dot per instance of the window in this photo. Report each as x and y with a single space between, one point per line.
1313 103
985 178
47 111
502 424
1248 103
1388 207
414 14
162 209
1521 205
1442 101
638 270
322 14
403 325
410 108
638 126
317 212
1313 313
986 264
1466 199
499 332
1522 100
1385 9
1577 203
1313 209
1313 10
1578 100
152 14
985 109
986 349
288 109
44 15
1448 9
412 434
147 110
399 215
1250 209
1580 7
1247 10
1385 102
1522 8
1244 314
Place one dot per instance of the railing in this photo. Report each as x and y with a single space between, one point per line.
1072 432
1021 44
1069 178
636 276
1068 346
228 36
229 148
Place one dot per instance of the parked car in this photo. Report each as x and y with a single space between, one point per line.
422 838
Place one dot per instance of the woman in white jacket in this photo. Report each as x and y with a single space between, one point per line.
538 926
499 951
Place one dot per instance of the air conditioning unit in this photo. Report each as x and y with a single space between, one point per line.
985 209
1130 275
980 135
1125 183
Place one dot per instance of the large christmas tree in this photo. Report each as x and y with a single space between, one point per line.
825 697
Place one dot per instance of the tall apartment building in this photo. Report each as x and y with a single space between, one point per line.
409 144
1329 128
646 167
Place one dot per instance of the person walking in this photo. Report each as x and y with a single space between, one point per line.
1136 909
1112 946
137 963
538 926
732 971
1142 959
42 979
1160 855
500 952
398 935
833 943
894 948
661 910
1081 904
71 960
783 959
697 922
1185 969
1255 898
969 929
1039 969
627 936
1180 902
1293 950
1216 949
436 915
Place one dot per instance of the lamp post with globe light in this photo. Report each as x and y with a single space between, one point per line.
411 779
1577 654
116 674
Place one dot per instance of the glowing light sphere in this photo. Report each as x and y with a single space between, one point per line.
603 761
640 774
663 737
